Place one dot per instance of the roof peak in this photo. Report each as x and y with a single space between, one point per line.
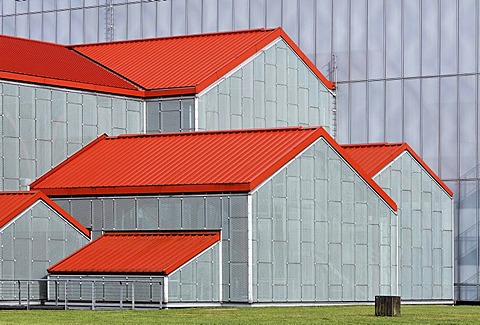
374 144
152 39
210 132
162 233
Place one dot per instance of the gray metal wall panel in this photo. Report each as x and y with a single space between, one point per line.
318 245
38 116
198 280
274 89
189 212
37 239
425 242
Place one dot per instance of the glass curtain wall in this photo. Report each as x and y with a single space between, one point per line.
407 71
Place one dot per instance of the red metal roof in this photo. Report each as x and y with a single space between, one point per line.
53 64
14 203
142 68
185 64
373 157
195 162
156 252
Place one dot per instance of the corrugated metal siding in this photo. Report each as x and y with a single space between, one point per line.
372 157
226 160
137 252
52 61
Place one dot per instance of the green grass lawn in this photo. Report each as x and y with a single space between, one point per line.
288 315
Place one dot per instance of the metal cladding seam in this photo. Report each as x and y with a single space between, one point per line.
155 252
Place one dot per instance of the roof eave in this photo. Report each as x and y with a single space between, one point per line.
143 190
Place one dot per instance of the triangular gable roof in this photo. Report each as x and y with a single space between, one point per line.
52 64
185 162
177 65
373 157
185 64
154 252
14 203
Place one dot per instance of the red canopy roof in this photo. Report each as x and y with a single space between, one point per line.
195 162
185 64
53 64
14 203
373 157
156 252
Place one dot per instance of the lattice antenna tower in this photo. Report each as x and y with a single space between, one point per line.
109 22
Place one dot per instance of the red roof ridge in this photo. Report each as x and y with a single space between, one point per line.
194 133
329 84
373 144
142 40
402 147
361 172
174 232
64 214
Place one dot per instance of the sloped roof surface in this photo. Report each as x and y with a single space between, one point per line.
195 162
166 66
373 157
48 63
177 162
14 203
190 62
156 252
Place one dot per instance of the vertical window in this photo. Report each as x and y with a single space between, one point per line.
170 116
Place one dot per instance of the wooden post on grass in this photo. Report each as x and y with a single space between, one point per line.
387 305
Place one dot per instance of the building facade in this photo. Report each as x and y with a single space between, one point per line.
407 71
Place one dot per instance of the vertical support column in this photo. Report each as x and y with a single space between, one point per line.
121 295
19 292
161 295
250 247
66 292
56 293
133 295
93 295
28 295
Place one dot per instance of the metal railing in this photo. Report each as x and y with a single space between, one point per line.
82 293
